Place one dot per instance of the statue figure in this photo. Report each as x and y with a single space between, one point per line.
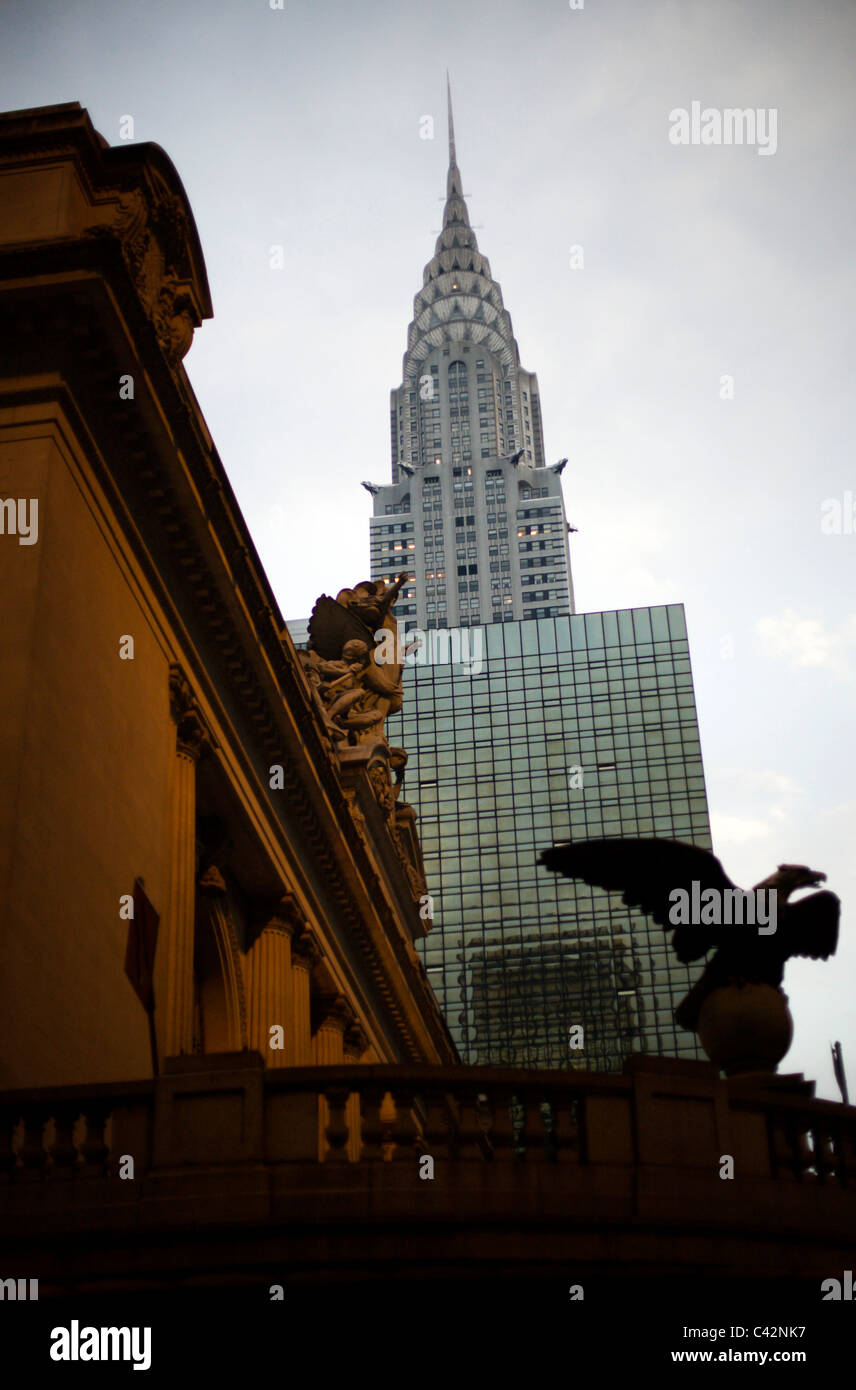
337 687
397 762
354 685
372 599
354 665
737 1007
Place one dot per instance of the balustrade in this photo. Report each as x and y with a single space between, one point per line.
379 1114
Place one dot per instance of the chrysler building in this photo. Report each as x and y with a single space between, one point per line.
473 512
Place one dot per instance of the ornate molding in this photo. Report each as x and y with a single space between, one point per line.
335 1011
356 1040
306 949
192 730
212 884
414 873
381 782
289 915
153 233
356 814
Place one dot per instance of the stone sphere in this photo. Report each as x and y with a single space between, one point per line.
745 1028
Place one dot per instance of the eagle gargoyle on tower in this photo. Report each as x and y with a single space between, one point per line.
681 885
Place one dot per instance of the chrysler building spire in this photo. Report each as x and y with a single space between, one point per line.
455 213
469 470
452 160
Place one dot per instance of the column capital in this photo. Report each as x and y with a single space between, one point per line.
334 1011
306 949
356 1040
212 882
192 729
287 916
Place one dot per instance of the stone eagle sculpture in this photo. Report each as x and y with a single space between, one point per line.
653 875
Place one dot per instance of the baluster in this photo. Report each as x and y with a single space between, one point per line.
10 1115
502 1125
437 1136
566 1146
93 1149
785 1164
470 1134
371 1100
847 1157
32 1152
336 1131
534 1135
805 1155
826 1155
404 1131
63 1151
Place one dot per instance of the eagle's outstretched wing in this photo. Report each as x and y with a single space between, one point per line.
645 873
810 927
332 625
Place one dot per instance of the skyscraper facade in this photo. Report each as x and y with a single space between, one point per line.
575 727
473 513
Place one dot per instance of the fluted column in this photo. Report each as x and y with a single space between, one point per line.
271 984
214 912
335 1016
305 954
192 734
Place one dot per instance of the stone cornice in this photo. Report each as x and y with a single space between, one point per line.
130 193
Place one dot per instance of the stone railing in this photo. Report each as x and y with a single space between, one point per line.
64 1132
306 1172
227 1109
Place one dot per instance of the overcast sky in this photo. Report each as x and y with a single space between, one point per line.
301 127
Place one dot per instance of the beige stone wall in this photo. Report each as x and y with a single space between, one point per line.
95 791
42 203
83 792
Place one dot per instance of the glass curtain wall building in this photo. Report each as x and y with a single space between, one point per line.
574 727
